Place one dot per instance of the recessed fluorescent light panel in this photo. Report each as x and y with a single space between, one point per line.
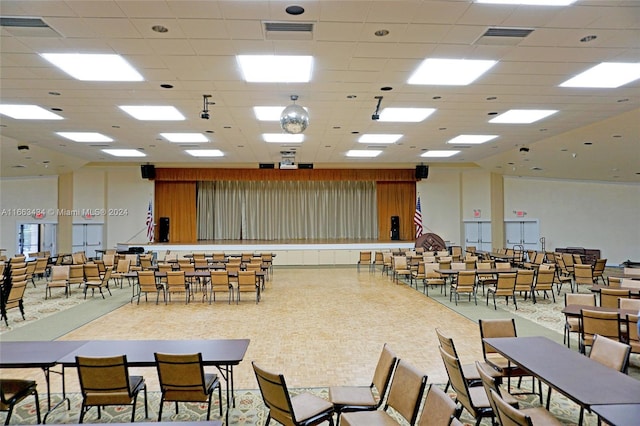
275 68
450 72
606 75
153 113
283 137
379 138
205 152
85 136
28 112
185 137
522 116
268 113
124 152
94 67
471 139
439 154
405 115
363 153
530 2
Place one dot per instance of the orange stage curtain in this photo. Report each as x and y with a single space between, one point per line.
177 201
396 199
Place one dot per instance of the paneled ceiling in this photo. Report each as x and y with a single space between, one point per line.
594 136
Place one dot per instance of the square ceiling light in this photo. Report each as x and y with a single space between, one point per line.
275 68
439 153
153 113
450 72
530 2
522 116
204 152
363 153
28 112
283 137
405 115
94 67
124 152
85 136
185 137
268 113
379 138
606 75
471 139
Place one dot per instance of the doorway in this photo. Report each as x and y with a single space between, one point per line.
36 237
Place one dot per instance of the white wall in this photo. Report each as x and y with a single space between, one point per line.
25 193
476 194
440 199
580 214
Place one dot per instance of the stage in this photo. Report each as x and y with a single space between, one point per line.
293 252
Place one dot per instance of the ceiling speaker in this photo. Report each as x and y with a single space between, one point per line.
148 171
422 171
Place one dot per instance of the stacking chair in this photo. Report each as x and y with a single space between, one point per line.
176 283
505 286
219 281
122 268
98 283
592 322
147 283
466 283
418 275
183 379
511 416
405 396
543 282
502 328
91 272
13 298
473 399
438 408
469 370
624 303
610 353
485 279
433 278
609 297
31 268
365 259
633 338
489 383
572 324
359 398
400 268
387 262
267 260
59 278
106 381
76 275
583 275
598 270
304 409
378 260
563 274
218 257
247 282
13 391
524 281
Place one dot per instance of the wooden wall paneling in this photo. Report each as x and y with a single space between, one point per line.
177 201
396 199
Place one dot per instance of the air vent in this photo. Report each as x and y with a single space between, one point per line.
22 26
288 31
503 36
99 145
377 147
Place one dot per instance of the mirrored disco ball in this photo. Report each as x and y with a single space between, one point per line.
294 119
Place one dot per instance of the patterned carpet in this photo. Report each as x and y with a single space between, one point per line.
249 410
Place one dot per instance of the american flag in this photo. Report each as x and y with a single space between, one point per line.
417 219
150 225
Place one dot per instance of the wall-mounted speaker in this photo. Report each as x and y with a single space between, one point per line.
163 230
267 166
305 165
148 171
422 171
